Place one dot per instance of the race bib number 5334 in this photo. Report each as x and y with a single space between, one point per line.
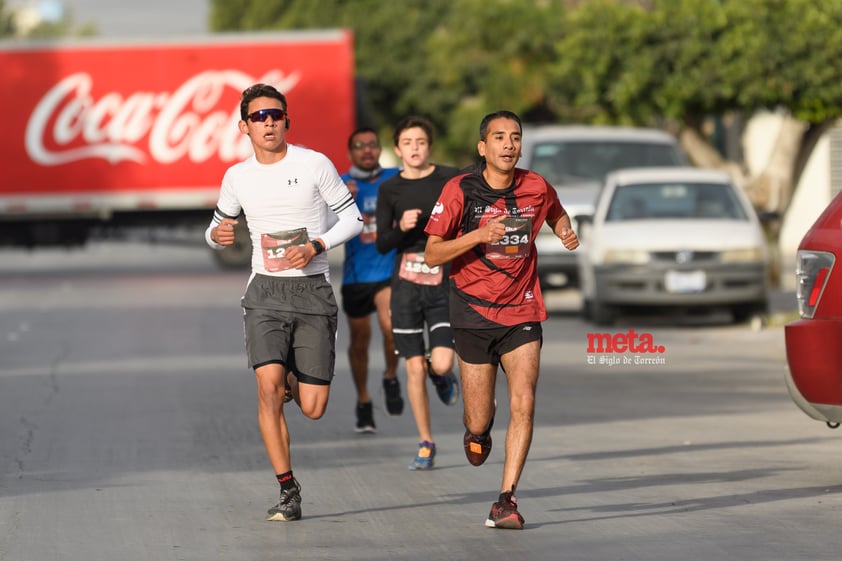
515 243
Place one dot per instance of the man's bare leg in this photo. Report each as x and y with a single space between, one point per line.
521 366
270 415
416 389
382 301
360 329
478 381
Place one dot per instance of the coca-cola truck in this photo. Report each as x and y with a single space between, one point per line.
103 138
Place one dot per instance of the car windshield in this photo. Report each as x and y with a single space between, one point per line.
565 162
655 201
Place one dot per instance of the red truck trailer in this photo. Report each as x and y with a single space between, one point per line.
103 137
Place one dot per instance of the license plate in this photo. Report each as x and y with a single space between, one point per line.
679 282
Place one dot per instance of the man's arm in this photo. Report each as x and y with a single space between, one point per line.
564 230
389 234
349 224
440 251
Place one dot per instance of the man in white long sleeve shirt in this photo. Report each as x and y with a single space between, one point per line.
289 311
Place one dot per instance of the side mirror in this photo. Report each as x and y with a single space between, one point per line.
583 219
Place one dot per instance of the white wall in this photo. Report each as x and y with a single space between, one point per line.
812 194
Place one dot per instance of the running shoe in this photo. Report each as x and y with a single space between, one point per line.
287 389
394 401
504 513
425 458
365 418
478 447
447 386
289 505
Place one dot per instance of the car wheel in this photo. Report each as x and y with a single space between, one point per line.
748 312
585 311
601 313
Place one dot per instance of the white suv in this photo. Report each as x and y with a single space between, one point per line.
576 160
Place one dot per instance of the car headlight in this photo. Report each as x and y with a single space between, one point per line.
745 255
627 256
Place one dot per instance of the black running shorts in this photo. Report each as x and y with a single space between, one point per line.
292 321
414 307
358 298
485 346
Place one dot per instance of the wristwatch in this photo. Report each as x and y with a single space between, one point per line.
317 245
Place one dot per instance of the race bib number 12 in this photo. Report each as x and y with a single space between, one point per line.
274 248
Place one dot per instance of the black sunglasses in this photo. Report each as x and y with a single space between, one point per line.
260 115
361 145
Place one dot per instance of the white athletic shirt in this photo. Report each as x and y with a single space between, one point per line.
300 191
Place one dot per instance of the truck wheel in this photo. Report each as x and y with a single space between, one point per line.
744 313
238 254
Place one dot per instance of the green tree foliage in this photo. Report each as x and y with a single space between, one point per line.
389 41
9 27
669 63
7 22
686 59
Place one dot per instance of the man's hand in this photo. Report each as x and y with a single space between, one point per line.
569 238
299 256
493 231
224 233
409 219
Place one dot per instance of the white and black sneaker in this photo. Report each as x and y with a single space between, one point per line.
365 418
289 505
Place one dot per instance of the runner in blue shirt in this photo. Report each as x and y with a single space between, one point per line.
366 275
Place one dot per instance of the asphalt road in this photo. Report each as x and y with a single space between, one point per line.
128 431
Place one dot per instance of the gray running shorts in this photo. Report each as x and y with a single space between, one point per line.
292 321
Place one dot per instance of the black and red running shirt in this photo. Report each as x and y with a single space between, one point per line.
495 284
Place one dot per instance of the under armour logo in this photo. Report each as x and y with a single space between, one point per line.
293 181
527 328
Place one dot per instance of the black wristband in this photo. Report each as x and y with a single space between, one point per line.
317 245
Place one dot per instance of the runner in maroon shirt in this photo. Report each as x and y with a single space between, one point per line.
485 223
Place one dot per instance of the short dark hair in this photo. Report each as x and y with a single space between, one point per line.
259 90
411 122
360 130
483 127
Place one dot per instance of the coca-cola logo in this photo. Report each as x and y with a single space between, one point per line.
69 124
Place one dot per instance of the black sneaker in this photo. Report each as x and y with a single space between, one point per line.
478 447
394 401
365 418
447 387
504 513
289 505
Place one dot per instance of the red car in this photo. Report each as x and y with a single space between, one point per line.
814 342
